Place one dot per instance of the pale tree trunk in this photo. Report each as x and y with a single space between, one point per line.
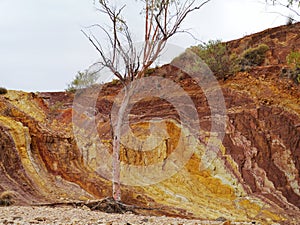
163 20
116 147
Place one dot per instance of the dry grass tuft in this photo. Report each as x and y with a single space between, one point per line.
7 198
3 91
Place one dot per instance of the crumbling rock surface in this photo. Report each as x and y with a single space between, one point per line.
254 176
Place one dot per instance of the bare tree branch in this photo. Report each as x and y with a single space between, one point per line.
289 5
163 19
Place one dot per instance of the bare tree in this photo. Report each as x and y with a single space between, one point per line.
290 4
162 20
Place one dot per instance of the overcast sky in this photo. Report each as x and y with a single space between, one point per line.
42 48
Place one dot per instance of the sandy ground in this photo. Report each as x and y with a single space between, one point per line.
69 215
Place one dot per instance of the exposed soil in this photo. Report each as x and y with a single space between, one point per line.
83 215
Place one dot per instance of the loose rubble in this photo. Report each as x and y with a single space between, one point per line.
66 215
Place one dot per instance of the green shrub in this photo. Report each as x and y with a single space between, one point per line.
71 89
293 60
253 56
149 71
3 91
215 54
82 80
293 72
115 82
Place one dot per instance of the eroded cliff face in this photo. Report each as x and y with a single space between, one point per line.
254 175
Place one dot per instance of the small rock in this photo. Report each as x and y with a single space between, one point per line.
75 220
17 218
221 219
40 219
3 222
84 207
108 223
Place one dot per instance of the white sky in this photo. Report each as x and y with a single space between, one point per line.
42 48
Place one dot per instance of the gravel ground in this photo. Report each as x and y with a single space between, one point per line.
70 215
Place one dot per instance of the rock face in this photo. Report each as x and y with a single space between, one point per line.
54 150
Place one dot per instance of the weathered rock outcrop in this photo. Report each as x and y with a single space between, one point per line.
254 175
